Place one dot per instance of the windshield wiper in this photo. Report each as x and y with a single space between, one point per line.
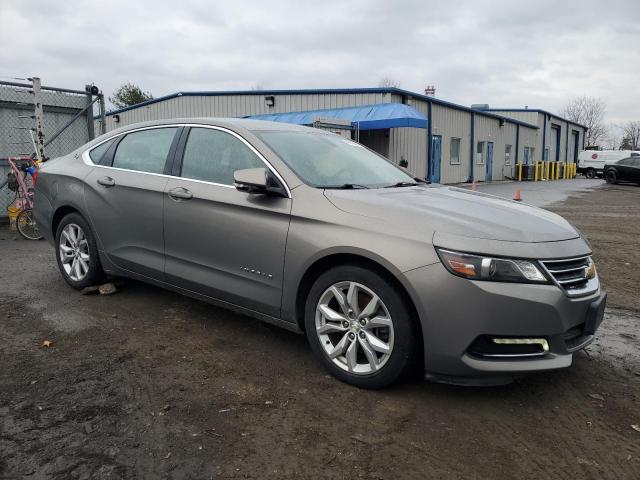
402 184
345 186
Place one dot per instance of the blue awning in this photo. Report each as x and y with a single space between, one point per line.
369 117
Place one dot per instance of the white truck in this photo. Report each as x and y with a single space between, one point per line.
591 162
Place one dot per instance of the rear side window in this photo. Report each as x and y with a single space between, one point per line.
212 155
145 151
96 153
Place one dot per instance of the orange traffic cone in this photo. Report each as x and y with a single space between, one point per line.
518 196
473 186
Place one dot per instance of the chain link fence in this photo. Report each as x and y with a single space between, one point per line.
44 122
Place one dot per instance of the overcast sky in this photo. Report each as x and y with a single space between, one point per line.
511 53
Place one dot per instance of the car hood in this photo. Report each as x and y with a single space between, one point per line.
455 211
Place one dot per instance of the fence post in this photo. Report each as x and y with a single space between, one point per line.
39 114
103 117
90 125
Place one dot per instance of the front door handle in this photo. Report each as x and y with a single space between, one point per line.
107 181
180 193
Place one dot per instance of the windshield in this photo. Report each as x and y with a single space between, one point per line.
330 161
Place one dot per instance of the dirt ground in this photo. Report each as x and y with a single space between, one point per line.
150 384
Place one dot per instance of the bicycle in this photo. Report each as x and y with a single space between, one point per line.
17 182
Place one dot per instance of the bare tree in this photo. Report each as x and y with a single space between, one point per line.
388 82
630 135
588 111
613 138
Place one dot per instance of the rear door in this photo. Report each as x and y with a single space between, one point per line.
124 197
219 241
634 169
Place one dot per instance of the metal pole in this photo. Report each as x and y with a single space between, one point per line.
39 114
103 117
90 126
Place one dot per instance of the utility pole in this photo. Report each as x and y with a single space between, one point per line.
39 114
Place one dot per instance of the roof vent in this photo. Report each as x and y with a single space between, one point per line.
480 106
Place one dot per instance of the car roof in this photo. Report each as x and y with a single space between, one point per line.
232 123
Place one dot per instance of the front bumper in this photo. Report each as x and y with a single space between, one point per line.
454 312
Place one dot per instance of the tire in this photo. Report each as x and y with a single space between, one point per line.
350 330
85 253
590 174
26 225
611 177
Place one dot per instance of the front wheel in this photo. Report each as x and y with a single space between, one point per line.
611 177
360 327
26 225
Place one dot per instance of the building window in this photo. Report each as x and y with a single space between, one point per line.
507 154
532 155
480 153
455 151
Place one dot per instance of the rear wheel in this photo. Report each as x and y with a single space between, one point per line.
611 176
360 327
26 225
77 253
590 173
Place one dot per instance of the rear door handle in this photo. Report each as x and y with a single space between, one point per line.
107 181
180 193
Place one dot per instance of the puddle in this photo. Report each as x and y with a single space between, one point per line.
618 339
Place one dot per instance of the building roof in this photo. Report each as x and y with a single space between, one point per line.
319 91
535 110
366 117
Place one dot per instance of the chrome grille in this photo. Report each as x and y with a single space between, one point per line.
571 275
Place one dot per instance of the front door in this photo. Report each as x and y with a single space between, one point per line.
489 176
124 197
436 157
219 241
576 145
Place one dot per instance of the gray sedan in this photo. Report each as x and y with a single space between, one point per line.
315 233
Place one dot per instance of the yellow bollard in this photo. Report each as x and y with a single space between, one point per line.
553 173
520 172
535 171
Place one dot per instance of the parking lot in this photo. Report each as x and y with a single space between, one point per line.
150 384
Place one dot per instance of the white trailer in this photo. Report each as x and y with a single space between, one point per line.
591 162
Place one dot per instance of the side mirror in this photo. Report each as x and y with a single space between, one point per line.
258 181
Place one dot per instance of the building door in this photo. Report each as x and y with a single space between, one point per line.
556 133
576 145
489 175
436 157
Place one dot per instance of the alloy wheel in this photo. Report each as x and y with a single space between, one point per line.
354 327
74 252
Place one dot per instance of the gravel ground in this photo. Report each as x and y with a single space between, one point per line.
150 384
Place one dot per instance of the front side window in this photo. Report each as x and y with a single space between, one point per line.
455 151
326 161
144 151
96 153
213 156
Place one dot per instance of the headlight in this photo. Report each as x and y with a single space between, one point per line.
476 267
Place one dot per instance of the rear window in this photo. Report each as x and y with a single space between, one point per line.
97 153
144 151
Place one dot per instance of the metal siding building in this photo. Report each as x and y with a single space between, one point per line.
558 137
449 125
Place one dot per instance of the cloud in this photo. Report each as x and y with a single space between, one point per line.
502 53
